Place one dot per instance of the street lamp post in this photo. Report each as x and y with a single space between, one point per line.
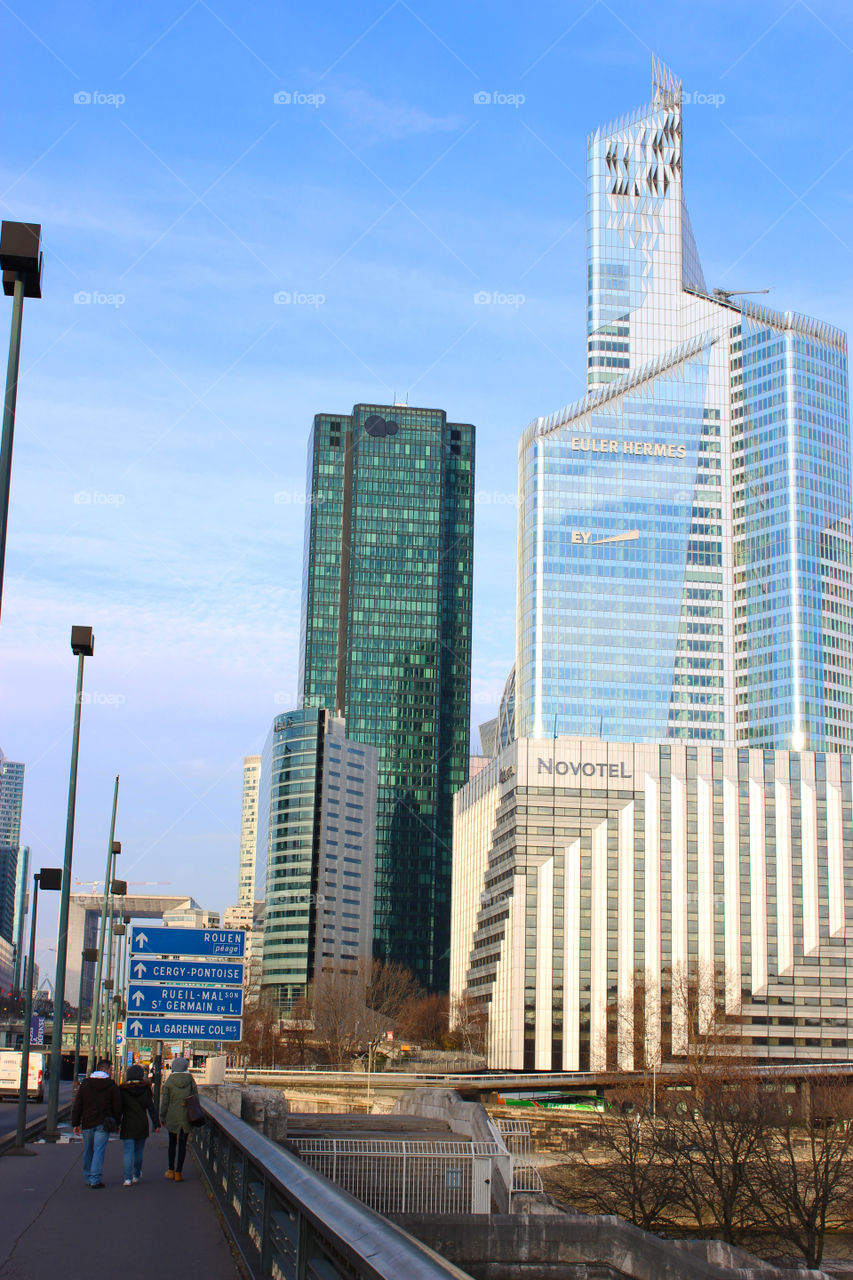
83 646
48 878
113 850
21 263
87 956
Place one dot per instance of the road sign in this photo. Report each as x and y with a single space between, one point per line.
180 1028
217 1002
188 942
223 973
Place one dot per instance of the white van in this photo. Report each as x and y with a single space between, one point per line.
10 1073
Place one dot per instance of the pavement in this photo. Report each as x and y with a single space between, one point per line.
55 1225
35 1110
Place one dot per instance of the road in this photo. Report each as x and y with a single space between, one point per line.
9 1110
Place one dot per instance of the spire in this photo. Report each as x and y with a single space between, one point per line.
666 90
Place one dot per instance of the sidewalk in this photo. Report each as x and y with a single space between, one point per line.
55 1225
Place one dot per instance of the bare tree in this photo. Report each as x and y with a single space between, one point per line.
633 1173
469 1023
800 1173
355 1008
259 1041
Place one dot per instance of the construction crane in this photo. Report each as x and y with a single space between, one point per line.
726 295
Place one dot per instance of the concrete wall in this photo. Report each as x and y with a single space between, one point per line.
567 1246
265 1109
468 1118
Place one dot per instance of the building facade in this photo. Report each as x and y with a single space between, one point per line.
248 831
11 804
610 896
317 837
386 643
694 507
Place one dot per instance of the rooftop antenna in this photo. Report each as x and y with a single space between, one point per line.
726 295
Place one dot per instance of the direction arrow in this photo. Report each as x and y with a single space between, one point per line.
190 942
217 1002
141 969
172 1028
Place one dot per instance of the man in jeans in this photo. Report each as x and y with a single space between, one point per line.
97 1111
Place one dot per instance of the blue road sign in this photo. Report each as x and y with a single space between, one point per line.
188 942
180 1028
214 1002
223 973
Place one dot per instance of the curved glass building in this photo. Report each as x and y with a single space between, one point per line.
684 550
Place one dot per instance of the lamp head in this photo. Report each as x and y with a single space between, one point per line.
82 641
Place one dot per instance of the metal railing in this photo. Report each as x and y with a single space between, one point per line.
399 1175
516 1135
290 1222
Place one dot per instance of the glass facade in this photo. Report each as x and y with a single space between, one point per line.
684 555
316 837
11 802
386 641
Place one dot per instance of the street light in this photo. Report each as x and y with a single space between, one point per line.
48 878
21 263
113 850
87 956
83 646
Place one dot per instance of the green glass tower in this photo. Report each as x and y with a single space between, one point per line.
386 642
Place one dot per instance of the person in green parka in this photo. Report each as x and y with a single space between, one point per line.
179 1086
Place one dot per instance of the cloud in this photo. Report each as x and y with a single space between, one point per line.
378 121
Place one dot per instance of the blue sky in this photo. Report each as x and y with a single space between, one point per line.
160 449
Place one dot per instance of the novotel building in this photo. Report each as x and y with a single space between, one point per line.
717 881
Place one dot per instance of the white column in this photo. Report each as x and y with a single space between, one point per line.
757 875
571 959
678 894
808 825
705 890
784 871
626 976
544 965
652 931
834 845
731 880
598 950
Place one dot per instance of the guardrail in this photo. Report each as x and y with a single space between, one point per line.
33 1127
289 1221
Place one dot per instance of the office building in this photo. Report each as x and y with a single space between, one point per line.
11 803
251 919
669 796
586 873
386 643
685 566
246 889
317 839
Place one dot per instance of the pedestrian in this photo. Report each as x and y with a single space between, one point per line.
179 1086
97 1111
137 1105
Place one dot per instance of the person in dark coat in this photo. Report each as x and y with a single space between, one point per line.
173 1114
137 1105
97 1111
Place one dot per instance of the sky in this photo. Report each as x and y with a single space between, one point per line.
255 213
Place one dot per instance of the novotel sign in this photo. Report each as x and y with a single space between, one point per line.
584 768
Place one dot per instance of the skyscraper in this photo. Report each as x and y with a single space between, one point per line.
316 836
386 642
11 803
685 560
248 830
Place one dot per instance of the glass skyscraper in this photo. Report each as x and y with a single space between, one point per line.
684 554
386 642
316 838
11 803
